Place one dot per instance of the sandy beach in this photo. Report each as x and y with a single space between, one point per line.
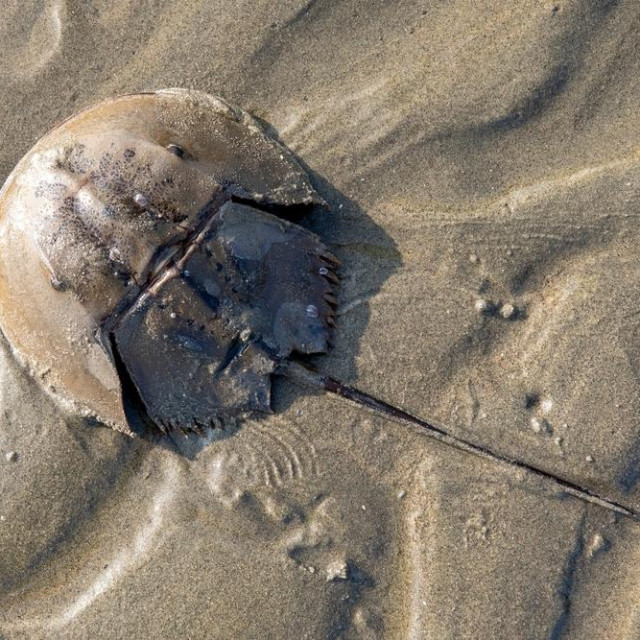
481 165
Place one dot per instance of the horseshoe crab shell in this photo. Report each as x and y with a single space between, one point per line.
147 266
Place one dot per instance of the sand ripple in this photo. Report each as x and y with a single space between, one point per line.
28 51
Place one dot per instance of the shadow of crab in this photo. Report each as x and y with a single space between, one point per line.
368 257
174 256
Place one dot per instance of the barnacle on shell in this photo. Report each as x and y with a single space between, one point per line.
147 262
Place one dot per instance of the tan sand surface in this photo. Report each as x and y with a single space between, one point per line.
482 163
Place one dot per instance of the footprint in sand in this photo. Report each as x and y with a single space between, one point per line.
336 539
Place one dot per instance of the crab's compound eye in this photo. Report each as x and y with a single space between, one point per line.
176 150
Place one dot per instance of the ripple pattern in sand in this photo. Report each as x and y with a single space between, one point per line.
281 453
29 50
264 455
132 554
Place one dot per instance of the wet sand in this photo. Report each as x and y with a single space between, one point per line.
483 170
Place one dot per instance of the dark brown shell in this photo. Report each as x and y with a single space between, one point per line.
140 268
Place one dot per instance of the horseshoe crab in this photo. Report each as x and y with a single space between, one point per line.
151 274
153 278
